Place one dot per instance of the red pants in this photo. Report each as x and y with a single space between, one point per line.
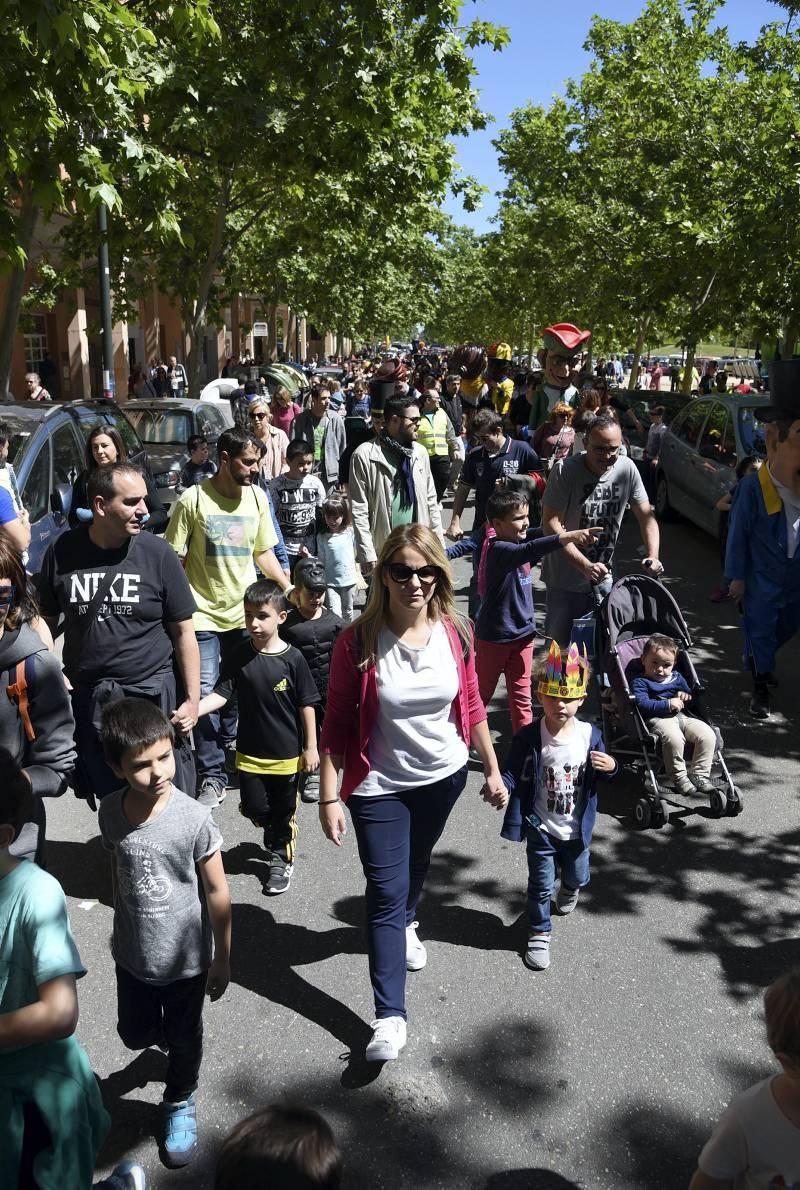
514 659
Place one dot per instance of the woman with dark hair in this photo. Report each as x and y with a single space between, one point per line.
36 724
403 709
103 446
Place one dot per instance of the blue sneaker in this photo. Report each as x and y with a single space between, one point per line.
179 1143
125 1176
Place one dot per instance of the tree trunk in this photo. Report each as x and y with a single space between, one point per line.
290 343
272 326
26 225
641 335
194 318
531 347
688 368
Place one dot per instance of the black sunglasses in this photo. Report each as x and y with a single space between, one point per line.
399 573
7 595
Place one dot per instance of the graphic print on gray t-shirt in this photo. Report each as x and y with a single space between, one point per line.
586 501
161 928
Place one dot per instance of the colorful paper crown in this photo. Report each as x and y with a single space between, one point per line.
565 681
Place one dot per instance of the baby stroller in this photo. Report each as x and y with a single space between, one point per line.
637 606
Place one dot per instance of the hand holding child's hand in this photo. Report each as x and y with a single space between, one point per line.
219 976
494 792
602 762
310 760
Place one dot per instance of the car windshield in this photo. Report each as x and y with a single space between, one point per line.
751 433
19 430
171 428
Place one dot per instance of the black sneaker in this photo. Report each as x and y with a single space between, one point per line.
280 875
230 760
759 704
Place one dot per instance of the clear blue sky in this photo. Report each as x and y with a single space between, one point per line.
545 51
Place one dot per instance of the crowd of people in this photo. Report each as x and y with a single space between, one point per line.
225 652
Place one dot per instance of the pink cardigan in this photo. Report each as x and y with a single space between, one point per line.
353 705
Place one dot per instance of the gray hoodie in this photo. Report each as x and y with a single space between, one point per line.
50 757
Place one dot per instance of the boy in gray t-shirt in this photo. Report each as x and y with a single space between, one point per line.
170 898
591 489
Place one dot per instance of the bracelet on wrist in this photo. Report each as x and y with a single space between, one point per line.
331 801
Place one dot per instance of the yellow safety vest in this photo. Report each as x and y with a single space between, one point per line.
432 433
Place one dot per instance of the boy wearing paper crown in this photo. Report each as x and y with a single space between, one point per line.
762 560
550 774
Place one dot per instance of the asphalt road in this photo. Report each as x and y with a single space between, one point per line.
607 1071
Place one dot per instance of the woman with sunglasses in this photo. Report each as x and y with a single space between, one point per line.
36 724
403 709
271 441
103 446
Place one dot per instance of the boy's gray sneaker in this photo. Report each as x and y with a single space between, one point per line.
567 899
280 875
211 793
537 952
684 786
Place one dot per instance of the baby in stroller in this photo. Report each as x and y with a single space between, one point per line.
664 700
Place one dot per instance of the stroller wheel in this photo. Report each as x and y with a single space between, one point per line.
643 813
735 802
659 817
718 803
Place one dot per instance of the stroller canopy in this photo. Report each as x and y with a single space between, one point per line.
639 605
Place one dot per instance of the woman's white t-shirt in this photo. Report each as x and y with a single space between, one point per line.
415 739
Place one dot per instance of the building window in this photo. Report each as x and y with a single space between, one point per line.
35 336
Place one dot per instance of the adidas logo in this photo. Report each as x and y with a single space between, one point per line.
281 686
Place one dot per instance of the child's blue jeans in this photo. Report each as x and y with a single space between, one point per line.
547 855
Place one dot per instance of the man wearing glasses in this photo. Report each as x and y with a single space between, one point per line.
391 482
591 489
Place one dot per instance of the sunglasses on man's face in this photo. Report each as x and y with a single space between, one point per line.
401 574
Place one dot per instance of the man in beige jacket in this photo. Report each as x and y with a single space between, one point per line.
391 482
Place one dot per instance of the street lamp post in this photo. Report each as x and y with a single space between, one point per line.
109 385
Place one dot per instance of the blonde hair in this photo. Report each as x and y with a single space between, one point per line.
782 1013
442 605
562 409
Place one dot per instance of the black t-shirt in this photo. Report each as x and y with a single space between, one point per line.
129 641
482 470
272 689
315 640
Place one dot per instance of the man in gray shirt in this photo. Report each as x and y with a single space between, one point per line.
591 489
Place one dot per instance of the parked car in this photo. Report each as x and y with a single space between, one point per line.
47 449
699 454
164 428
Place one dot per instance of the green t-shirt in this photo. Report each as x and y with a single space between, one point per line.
319 436
220 536
36 943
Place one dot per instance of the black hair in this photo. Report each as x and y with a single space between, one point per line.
195 441
132 724
233 442
338 505
744 465
265 590
603 421
659 641
298 447
283 1148
784 425
5 433
103 480
503 503
103 429
16 794
250 386
486 421
398 406
657 410
521 485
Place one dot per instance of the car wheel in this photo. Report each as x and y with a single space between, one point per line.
663 508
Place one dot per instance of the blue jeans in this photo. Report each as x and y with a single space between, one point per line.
216 731
545 856
396 833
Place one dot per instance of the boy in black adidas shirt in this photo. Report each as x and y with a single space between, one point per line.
277 700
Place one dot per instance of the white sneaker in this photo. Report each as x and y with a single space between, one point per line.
388 1038
416 954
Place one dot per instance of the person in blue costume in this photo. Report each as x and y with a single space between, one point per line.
762 561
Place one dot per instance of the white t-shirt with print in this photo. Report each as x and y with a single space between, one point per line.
561 773
415 740
754 1145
